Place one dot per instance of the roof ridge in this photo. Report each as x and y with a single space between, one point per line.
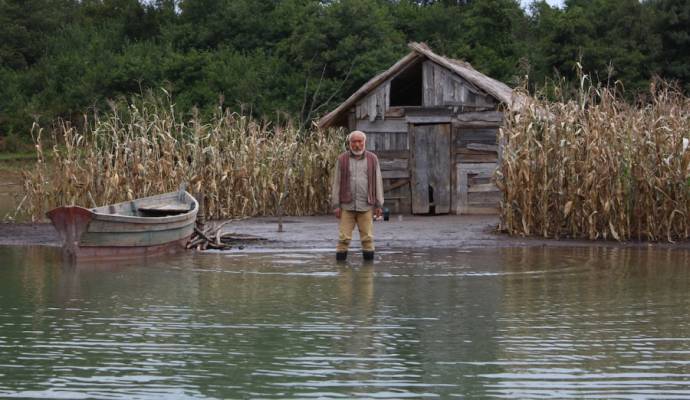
464 69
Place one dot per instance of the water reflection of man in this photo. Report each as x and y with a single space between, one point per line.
356 194
356 304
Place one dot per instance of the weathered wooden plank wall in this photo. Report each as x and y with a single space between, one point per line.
430 174
398 125
475 136
375 104
471 143
419 164
441 170
441 87
395 171
475 192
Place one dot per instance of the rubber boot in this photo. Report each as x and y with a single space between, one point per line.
368 255
341 255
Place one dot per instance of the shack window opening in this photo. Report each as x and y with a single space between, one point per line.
406 88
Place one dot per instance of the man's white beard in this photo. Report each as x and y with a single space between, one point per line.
358 153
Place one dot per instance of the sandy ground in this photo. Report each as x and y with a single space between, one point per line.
406 232
410 232
398 232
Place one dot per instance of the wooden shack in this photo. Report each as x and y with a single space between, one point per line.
433 122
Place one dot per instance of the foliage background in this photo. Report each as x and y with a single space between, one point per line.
297 59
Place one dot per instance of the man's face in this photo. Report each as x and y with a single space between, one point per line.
357 144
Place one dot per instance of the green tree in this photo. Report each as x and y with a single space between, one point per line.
59 58
209 24
673 25
612 39
490 34
434 23
137 21
25 26
339 47
493 37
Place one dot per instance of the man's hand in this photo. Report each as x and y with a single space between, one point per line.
337 213
378 213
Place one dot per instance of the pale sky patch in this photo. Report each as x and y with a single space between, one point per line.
552 3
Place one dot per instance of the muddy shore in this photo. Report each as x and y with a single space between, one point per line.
320 232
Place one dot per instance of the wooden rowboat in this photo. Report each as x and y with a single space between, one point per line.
140 227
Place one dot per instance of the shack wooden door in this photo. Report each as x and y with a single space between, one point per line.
430 168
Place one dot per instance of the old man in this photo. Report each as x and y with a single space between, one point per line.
357 195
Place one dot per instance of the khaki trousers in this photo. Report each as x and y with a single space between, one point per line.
364 221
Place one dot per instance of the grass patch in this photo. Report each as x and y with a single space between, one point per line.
23 156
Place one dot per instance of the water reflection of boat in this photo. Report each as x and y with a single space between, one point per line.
145 226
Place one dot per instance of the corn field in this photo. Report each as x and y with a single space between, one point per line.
598 167
242 167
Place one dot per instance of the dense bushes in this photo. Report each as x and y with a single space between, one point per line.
60 58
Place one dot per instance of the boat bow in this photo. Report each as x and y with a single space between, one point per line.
70 222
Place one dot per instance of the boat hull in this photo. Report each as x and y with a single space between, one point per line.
121 252
107 232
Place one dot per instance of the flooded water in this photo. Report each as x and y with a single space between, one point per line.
509 323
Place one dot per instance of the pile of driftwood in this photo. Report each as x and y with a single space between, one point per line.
213 237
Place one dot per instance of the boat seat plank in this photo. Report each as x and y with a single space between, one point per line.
165 208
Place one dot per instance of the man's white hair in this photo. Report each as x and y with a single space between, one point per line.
349 136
